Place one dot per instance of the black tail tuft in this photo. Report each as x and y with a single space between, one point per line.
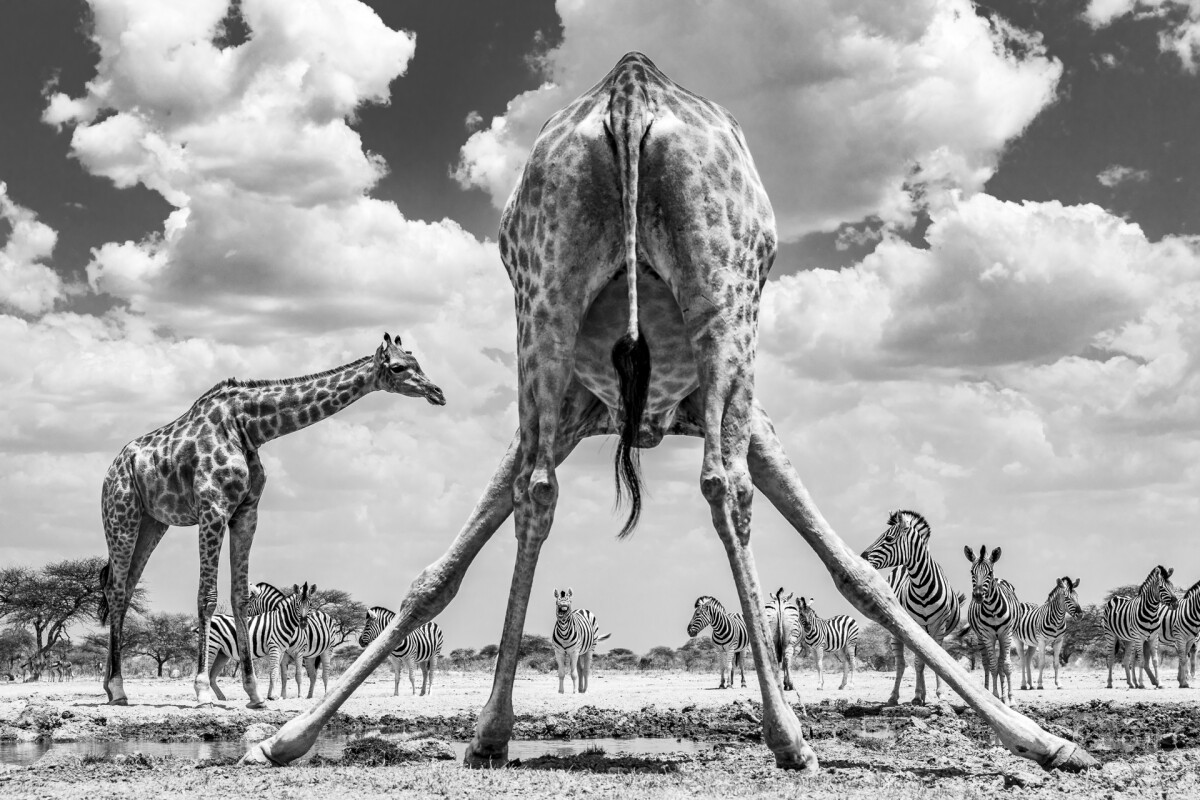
631 359
102 607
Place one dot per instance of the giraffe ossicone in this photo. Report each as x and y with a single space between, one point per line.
638 240
204 469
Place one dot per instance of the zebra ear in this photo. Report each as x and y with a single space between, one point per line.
556 594
1169 572
311 589
296 588
372 614
568 593
995 555
1075 585
969 553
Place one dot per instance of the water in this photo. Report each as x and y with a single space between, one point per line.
330 745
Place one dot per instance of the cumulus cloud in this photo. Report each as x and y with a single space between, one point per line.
1181 33
27 285
843 104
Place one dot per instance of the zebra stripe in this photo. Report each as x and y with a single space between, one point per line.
919 584
1131 621
270 634
421 647
263 597
837 635
784 630
728 633
1180 626
993 611
1039 626
313 648
575 635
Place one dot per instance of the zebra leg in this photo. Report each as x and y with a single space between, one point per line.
1005 667
426 665
787 667
1056 653
820 668
433 660
560 656
1110 653
274 654
218 663
898 653
869 592
989 661
585 671
412 682
1181 653
726 662
242 524
741 668
397 668
1150 657
310 669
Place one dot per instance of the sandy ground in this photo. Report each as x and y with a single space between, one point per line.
928 757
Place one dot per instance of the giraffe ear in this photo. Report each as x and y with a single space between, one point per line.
969 553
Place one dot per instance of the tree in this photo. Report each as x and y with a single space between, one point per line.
162 637
697 652
50 600
489 651
661 657
462 657
875 647
347 613
16 644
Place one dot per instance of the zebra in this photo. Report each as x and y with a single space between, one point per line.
993 611
313 648
270 635
784 630
1180 625
422 646
837 635
729 634
1039 626
921 587
1131 621
574 638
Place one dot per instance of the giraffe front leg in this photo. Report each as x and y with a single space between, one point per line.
242 525
870 594
429 593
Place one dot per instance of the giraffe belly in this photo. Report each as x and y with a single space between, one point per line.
673 374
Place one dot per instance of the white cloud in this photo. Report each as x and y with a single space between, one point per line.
1181 36
1116 174
26 284
842 103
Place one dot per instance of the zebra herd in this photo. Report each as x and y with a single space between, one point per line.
286 628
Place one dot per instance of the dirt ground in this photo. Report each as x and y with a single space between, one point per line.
1148 741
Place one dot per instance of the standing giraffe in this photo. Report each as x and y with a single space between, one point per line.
204 469
640 220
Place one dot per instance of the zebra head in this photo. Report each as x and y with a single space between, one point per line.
562 603
702 617
297 605
983 575
1157 588
263 599
808 614
907 533
378 618
1065 588
397 370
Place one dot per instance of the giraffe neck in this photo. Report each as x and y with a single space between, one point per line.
270 409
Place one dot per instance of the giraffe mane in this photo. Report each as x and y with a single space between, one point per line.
260 382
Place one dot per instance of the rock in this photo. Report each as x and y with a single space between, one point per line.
58 759
1171 741
73 731
1118 773
1024 780
38 717
907 711
259 731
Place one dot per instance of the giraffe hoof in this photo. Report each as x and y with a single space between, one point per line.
478 756
119 701
257 703
803 760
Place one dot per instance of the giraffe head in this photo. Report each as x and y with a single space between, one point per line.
562 603
907 532
983 576
397 370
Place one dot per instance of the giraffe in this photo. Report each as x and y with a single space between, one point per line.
640 220
204 469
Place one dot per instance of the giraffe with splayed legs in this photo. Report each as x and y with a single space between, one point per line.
204 469
637 241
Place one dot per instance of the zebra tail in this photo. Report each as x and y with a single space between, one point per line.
627 122
102 606
602 637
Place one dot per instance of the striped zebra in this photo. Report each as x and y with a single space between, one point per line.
270 635
313 648
921 587
837 635
422 647
1180 626
728 633
1131 621
574 638
1039 626
784 630
993 612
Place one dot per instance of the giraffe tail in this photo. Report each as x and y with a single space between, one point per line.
627 122
102 604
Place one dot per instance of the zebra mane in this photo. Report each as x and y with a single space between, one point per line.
708 600
1160 569
1192 590
918 522
379 611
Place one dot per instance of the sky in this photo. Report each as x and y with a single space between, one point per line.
984 306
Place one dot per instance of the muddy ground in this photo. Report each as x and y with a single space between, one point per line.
1148 742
